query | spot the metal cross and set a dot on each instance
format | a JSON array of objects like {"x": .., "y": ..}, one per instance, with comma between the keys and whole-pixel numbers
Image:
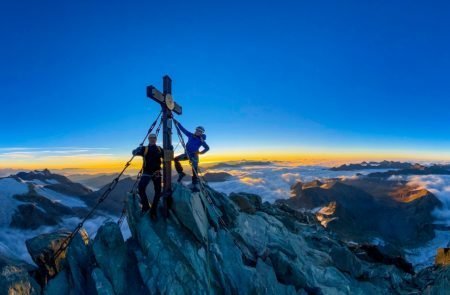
[{"x": 168, "y": 105}]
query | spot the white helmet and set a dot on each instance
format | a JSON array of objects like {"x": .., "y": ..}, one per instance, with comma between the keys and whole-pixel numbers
[{"x": 200, "y": 128}]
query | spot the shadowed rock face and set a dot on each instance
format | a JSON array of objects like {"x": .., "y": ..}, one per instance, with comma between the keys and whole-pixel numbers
[
  {"x": 365, "y": 208},
  {"x": 15, "y": 278},
  {"x": 217, "y": 176},
  {"x": 266, "y": 249},
  {"x": 115, "y": 202}
]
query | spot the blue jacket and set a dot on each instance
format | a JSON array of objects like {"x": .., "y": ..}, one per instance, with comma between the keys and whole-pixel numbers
[{"x": 194, "y": 142}]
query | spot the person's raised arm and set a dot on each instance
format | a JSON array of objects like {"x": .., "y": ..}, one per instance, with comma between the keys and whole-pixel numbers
[{"x": 184, "y": 130}]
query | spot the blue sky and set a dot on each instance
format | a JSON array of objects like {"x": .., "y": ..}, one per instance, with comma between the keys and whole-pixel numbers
[{"x": 306, "y": 76}]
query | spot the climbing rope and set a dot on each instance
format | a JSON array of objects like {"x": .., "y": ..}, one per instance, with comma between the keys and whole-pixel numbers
[{"x": 102, "y": 198}]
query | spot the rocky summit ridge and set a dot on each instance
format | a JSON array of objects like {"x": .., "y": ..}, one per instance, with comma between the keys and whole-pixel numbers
[{"x": 265, "y": 249}]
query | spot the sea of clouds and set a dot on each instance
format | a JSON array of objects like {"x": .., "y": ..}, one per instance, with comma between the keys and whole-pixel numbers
[{"x": 274, "y": 181}]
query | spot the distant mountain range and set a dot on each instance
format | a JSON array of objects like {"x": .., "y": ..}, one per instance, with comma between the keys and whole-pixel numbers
[
  {"x": 396, "y": 168},
  {"x": 375, "y": 165},
  {"x": 94, "y": 181},
  {"x": 415, "y": 170}
]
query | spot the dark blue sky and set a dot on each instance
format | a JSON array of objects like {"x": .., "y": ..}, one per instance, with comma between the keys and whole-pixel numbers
[{"x": 295, "y": 76}]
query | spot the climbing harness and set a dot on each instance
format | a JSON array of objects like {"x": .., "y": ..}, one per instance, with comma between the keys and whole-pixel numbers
[{"x": 102, "y": 198}]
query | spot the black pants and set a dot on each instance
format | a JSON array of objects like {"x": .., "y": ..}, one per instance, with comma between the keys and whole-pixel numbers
[
  {"x": 194, "y": 160},
  {"x": 145, "y": 179}
]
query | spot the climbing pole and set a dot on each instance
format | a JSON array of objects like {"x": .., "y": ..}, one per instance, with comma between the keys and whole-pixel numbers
[{"x": 102, "y": 198}]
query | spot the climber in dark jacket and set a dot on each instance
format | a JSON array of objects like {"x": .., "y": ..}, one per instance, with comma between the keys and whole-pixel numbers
[
  {"x": 151, "y": 170},
  {"x": 195, "y": 141}
]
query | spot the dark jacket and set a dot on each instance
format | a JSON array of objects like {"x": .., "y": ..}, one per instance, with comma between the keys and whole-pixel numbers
[
  {"x": 194, "y": 142},
  {"x": 152, "y": 156}
]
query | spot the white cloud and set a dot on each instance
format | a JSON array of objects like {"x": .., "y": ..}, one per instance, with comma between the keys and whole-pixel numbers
[{"x": 273, "y": 182}]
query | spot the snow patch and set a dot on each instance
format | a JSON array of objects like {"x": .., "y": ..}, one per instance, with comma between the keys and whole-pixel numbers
[
  {"x": 8, "y": 188},
  {"x": 60, "y": 198}
]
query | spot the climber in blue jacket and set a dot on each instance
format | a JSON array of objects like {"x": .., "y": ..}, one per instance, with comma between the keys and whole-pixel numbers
[{"x": 195, "y": 141}]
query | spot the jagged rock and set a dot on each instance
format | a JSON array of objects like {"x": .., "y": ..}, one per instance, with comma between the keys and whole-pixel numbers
[
  {"x": 269, "y": 249},
  {"x": 111, "y": 255},
  {"x": 29, "y": 216},
  {"x": 217, "y": 176},
  {"x": 43, "y": 247},
  {"x": 79, "y": 261},
  {"x": 365, "y": 209},
  {"x": 59, "y": 284},
  {"x": 190, "y": 211},
  {"x": 247, "y": 203},
  {"x": 434, "y": 280},
  {"x": 15, "y": 279},
  {"x": 102, "y": 285},
  {"x": 373, "y": 253},
  {"x": 443, "y": 256}
]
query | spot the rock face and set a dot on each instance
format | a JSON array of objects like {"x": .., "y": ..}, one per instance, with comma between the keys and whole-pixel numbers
[
  {"x": 365, "y": 209},
  {"x": 114, "y": 203},
  {"x": 217, "y": 176},
  {"x": 443, "y": 257},
  {"x": 262, "y": 249},
  {"x": 15, "y": 278}
]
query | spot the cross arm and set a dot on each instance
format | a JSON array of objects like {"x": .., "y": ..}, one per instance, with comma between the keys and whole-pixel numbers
[{"x": 157, "y": 96}]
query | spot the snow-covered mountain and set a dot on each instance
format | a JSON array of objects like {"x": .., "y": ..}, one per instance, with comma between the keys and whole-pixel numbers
[{"x": 39, "y": 201}]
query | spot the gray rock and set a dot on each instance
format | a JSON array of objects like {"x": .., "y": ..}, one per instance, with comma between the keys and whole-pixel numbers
[
  {"x": 60, "y": 284},
  {"x": 190, "y": 211},
  {"x": 42, "y": 249},
  {"x": 264, "y": 249},
  {"x": 15, "y": 279},
  {"x": 247, "y": 203},
  {"x": 102, "y": 284},
  {"x": 111, "y": 255},
  {"x": 29, "y": 216}
]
